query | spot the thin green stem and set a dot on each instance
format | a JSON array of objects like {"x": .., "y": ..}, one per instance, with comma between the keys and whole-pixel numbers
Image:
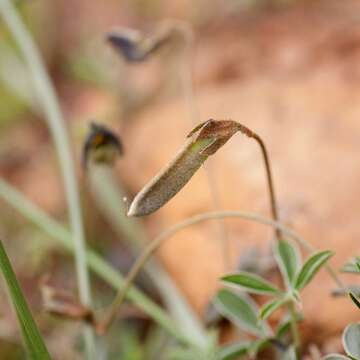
[
  {"x": 268, "y": 172},
  {"x": 278, "y": 231},
  {"x": 47, "y": 96},
  {"x": 294, "y": 328},
  {"x": 167, "y": 234}
]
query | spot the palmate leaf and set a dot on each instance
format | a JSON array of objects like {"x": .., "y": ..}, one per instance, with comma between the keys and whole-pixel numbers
[
  {"x": 288, "y": 259},
  {"x": 240, "y": 309},
  {"x": 251, "y": 283},
  {"x": 35, "y": 345},
  {"x": 311, "y": 267}
]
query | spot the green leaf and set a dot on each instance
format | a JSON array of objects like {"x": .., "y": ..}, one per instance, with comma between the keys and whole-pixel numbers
[
  {"x": 352, "y": 266},
  {"x": 288, "y": 259},
  {"x": 355, "y": 300},
  {"x": 311, "y": 267},
  {"x": 258, "y": 346},
  {"x": 283, "y": 328},
  {"x": 234, "y": 351},
  {"x": 240, "y": 309},
  {"x": 351, "y": 340},
  {"x": 285, "y": 325},
  {"x": 335, "y": 357},
  {"x": 251, "y": 283},
  {"x": 271, "y": 307},
  {"x": 349, "y": 267},
  {"x": 34, "y": 343}
]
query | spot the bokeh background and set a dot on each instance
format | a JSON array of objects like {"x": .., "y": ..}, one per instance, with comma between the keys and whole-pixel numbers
[{"x": 290, "y": 70}]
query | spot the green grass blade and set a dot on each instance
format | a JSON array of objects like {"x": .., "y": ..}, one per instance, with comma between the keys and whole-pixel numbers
[{"x": 35, "y": 345}]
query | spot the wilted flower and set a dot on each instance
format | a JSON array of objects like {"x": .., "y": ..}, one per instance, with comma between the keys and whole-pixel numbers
[{"x": 101, "y": 146}]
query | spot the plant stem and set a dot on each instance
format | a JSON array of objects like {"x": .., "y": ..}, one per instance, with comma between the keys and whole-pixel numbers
[
  {"x": 109, "y": 196},
  {"x": 47, "y": 96},
  {"x": 111, "y": 275},
  {"x": 104, "y": 270},
  {"x": 189, "y": 95},
  {"x": 269, "y": 177},
  {"x": 165, "y": 235},
  {"x": 294, "y": 328}
]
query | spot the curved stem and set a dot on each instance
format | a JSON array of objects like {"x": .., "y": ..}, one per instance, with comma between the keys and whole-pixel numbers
[
  {"x": 165, "y": 235},
  {"x": 269, "y": 177}
]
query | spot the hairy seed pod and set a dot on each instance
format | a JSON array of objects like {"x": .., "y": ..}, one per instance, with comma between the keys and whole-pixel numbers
[{"x": 170, "y": 180}]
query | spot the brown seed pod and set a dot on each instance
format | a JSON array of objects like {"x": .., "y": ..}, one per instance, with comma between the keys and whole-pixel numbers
[{"x": 169, "y": 181}]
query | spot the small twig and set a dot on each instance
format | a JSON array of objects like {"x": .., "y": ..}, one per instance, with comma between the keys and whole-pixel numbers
[{"x": 165, "y": 235}]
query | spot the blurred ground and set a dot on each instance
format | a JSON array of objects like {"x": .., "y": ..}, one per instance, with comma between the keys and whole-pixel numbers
[{"x": 291, "y": 73}]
